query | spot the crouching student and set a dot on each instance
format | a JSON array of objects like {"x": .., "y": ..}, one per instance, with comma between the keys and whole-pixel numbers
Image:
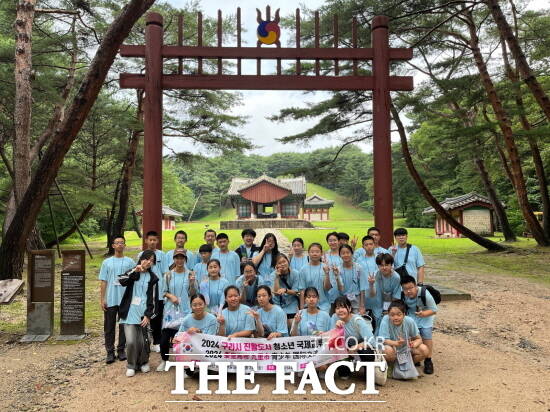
[
  {"x": 286, "y": 288},
  {"x": 198, "y": 321},
  {"x": 357, "y": 333},
  {"x": 179, "y": 284},
  {"x": 270, "y": 319},
  {"x": 137, "y": 308},
  {"x": 421, "y": 308},
  {"x": 235, "y": 319},
  {"x": 248, "y": 284},
  {"x": 399, "y": 330},
  {"x": 311, "y": 320}
]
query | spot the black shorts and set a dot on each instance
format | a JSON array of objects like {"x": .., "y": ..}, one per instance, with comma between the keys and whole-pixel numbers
[{"x": 290, "y": 315}]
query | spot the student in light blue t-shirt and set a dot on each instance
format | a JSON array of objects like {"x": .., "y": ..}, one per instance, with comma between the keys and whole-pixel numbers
[
  {"x": 317, "y": 275},
  {"x": 236, "y": 320},
  {"x": 264, "y": 257},
  {"x": 400, "y": 331},
  {"x": 357, "y": 332},
  {"x": 366, "y": 282},
  {"x": 270, "y": 319},
  {"x": 415, "y": 261},
  {"x": 212, "y": 288},
  {"x": 422, "y": 311},
  {"x": 110, "y": 296},
  {"x": 199, "y": 320},
  {"x": 160, "y": 266},
  {"x": 348, "y": 276},
  {"x": 180, "y": 238},
  {"x": 311, "y": 320},
  {"x": 205, "y": 253},
  {"x": 387, "y": 286},
  {"x": 298, "y": 258},
  {"x": 332, "y": 259},
  {"x": 229, "y": 260},
  {"x": 179, "y": 284},
  {"x": 286, "y": 287}
]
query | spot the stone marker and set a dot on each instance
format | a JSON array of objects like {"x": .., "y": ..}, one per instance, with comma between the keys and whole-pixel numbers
[
  {"x": 40, "y": 295},
  {"x": 73, "y": 279}
]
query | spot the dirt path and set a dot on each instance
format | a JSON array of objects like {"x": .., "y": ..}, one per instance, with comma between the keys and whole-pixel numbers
[{"x": 492, "y": 351}]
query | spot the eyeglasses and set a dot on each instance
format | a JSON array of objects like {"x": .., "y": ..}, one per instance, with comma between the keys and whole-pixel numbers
[{"x": 119, "y": 243}]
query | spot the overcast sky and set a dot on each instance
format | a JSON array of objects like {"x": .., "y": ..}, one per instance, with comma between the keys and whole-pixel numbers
[{"x": 258, "y": 105}]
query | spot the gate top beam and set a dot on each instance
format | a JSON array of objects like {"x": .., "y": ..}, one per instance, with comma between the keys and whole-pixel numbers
[{"x": 172, "y": 52}]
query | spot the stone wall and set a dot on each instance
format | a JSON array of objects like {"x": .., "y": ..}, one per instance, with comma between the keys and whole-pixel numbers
[{"x": 265, "y": 223}]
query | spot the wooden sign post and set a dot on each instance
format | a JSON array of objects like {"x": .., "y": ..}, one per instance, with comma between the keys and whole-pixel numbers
[
  {"x": 40, "y": 295},
  {"x": 73, "y": 296}
]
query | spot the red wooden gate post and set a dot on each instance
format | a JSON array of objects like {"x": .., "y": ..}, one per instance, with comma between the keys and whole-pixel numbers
[
  {"x": 383, "y": 199},
  {"x": 152, "y": 125}
]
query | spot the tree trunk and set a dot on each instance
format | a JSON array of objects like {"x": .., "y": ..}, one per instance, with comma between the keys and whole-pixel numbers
[
  {"x": 23, "y": 98},
  {"x": 110, "y": 231},
  {"x": 508, "y": 135},
  {"x": 194, "y": 206},
  {"x": 73, "y": 228},
  {"x": 480, "y": 240},
  {"x": 135, "y": 222},
  {"x": 127, "y": 175},
  {"x": 513, "y": 75},
  {"x": 507, "y": 231},
  {"x": 521, "y": 60},
  {"x": 13, "y": 243}
]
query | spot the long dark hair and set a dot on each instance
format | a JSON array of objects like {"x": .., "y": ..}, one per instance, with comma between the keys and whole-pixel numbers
[
  {"x": 268, "y": 290},
  {"x": 274, "y": 251}
]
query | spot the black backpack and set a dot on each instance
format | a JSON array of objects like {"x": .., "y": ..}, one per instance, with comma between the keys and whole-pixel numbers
[{"x": 436, "y": 294}]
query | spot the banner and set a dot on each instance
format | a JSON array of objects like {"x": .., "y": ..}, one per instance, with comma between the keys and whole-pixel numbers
[{"x": 322, "y": 349}]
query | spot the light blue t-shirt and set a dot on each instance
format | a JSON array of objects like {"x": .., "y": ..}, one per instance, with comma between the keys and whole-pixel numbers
[
  {"x": 160, "y": 266},
  {"x": 230, "y": 265},
  {"x": 267, "y": 279},
  {"x": 368, "y": 263},
  {"x": 213, "y": 290},
  {"x": 414, "y": 303},
  {"x": 406, "y": 330},
  {"x": 265, "y": 265},
  {"x": 297, "y": 263},
  {"x": 238, "y": 320},
  {"x": 356, "y": 326},
  {"x": 138, "y": 303},
  {"x": 333, "y": 260},
  {"x": 414, "y": 261},
  {"x": 351, "y": 278},
  {"x": 275, "y": 319},
  {"x": 387, "y": 288},
  {"x": 189, "y": 263},
  {"x": 178, "y": 286},
  {"x": 360, "y": 253},
  {"x": 111, "y": 269},
  {"x": 289, "y": 303},
  {"x": 310, "y": 324},
  {"x": 201, "y": 273},
  {"x": 314, "y": 276},
  {"x": 208, "y": 324}
]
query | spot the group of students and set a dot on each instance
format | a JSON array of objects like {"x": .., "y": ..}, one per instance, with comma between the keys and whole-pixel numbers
[{"x": 257, "y": 291}]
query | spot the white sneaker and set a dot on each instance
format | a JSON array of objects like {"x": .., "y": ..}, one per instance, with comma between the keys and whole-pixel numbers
[
  {"x": 145, "y": 368},
  {"x": 155, "y": 348},
  {"x": 130, "y": 372},
  {"x": 161, "y": 367}
]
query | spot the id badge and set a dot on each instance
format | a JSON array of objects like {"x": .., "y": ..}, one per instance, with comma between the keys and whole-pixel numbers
[
  {"x": 385, "y": 306},
  {"x": 136, "y": 300},
  {"x": 116, "y": 282},
  {"x": 402, "y": 358},
  {"x": 352, "y": 297}
]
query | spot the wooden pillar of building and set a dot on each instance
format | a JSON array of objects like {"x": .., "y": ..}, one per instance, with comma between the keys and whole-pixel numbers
[
  {"x": 279, "y": 211},
  {"x": 152, "y": 125},
  {"x": 383, "y": 199},
  {"x": 252, "y": 214}
]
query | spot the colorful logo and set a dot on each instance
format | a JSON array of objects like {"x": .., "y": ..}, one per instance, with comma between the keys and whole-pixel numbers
[{"x": 268, "y": 31}]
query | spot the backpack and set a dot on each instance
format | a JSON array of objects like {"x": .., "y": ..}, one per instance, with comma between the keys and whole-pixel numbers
[{"x": 436, "y": 294}]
